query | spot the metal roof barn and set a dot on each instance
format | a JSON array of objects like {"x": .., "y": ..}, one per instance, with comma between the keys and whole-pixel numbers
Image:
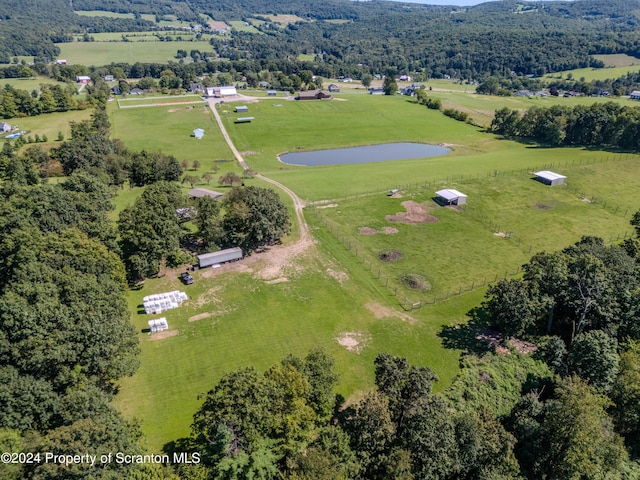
[
  {"x": 450, "y": 196},
  {"x": 242, "y": 108},
  {"x": 216, "y": 258},
  {"x": 549, "y": 178}
]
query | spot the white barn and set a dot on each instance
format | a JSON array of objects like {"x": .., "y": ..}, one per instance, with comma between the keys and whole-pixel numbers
[
  {"x": 220, "y": 92},
  {"x": 549, "y": 178},
  {"x": 450, "y": 196}
]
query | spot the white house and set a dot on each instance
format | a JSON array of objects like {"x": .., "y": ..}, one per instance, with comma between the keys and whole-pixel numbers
[
  {"x": 635, "y": 95},
  {"x": 5, "y": 127}
]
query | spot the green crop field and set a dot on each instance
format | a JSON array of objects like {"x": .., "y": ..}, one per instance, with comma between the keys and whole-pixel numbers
[
  {"x": 239, "y": 316},
  {"x": 103, "y": 53}
]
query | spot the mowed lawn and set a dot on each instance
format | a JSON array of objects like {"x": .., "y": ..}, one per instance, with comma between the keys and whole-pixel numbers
[
  {"x": 248, "y": 321},
  {"x": 242, "y": 319},
  {"x": 104, "y": 53}
]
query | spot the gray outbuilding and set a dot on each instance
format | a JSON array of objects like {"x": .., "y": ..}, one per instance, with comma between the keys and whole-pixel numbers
[{"x": 222, "y": 256}]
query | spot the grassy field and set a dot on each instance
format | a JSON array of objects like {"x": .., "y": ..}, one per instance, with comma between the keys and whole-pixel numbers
[
  {"x": 590, "y": 74},
  {"x": 50, "y": 124},
  {"x": 246, "y": 318},
  {"x": 103, "y": 53},
  {"x": 29, "y": 84},
  {"x": 618, "y": 60},
  {"x": 102, "y": 13}
]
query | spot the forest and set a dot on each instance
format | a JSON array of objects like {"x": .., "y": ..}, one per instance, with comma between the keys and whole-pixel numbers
[{"x": 495, "y": 38}]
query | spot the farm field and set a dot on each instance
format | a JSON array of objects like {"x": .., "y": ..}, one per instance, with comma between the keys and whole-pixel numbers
[
  {"x": 104, "y": 53},
  {"x": 29, "y": 84},
  {"x": 595, "y": 73},
  {"x": 259, "y": 310},
  {"x": 50, "y": 124}
]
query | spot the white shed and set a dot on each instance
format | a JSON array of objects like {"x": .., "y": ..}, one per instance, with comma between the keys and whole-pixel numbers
[
  {"x": 549, "y": 178},
  {"x": 198, "y": 133},
  {"x": 450, "y": 196}
]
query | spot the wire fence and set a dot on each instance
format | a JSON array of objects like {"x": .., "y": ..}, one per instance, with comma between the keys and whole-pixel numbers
[{"x": 392, "y": 284}]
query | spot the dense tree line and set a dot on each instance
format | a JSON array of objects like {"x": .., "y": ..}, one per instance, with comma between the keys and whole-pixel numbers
[
  {"x": 387, "y": 37},
  {"x": 599, "y": 124}
]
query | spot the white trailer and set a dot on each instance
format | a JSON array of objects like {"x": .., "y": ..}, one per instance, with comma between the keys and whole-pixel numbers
[{"x": 223, "y": 256}]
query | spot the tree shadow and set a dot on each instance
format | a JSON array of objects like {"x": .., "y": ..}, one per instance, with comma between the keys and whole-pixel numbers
[{"x": 466, "y": 337}]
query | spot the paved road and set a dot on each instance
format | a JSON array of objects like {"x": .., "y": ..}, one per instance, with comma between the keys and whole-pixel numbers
[{"x": 298, "y": 203}]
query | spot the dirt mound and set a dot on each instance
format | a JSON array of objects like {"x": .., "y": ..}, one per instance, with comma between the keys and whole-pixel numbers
[
  {"x": 415, "y": 214},
  {"x": 415, "y": 281},
  {"x": 390, "y": 255},
  {"x": 367, "y": 231}
]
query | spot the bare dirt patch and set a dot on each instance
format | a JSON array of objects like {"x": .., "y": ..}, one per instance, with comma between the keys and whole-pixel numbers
[
  {"x": 390, "y": 255},
  {"x": 331, "y": 205},
  {"x": 353, "y": 341},
  {"x": 208, "y": 297},
  {"x": 277, "y": 280},
  {"x": 390, "y": 230},
  {"x": 163, "y": 335},
  {"x": 339, "y": 275},
  {"x": 200, "y": 316},
  {"x": 543, "y": 206},
  {"x": 367, "y": 231},
  {"x": 500, "y": 234},
  {"x": 380, "y": 312},
  {"x": 495, "y": 341},
  {"x": 415, "y": 214}
]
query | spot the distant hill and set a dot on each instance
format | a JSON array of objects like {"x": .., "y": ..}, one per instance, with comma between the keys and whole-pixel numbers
[{"x": 494, "y": 38}]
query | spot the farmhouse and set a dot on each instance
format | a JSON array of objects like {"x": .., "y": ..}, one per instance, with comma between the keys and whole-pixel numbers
[
  {"x": 450, "y": 196},
  {"x": 108, "y": 78},
  {"x": 158, "y": 325},
  {"x": 5, "y": 127},
  {"x": 549, "y": 178},
  {"x": 241, "y": 108},
  {"x": 314, "y": 95},
  {"x": 635, "y": 95},
  {"x": 333, "y": 88},
  {"x": 196, "y": 87},
  {"x": 204, "y": 192},
  {"x": 223, "y": 256},
  {"x": 221, "y": 92},
  {"x": 83, "y": 79}
]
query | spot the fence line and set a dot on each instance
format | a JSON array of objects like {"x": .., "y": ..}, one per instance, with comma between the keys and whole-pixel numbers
[{"x": 391, "y": 284}]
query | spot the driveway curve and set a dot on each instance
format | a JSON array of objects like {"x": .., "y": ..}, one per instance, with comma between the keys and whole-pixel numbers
[{"x": 298, "y": 203}]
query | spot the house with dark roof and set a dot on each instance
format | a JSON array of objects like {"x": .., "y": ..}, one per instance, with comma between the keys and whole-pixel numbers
[
  {"x": 333, "y": 88},
  {"x": 196, "y": 87}
]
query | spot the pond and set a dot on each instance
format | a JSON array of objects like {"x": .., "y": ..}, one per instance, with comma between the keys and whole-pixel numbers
[{"x": 367, "y": 154}]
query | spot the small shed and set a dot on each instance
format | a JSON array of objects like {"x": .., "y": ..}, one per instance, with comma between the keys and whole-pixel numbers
[
  {"x": 550, "y": 178},
  {"x": 272, "y": 93},
  {"x": 222, "y": 256},
  {"x": 158, "y": 325},
  {"x": 450, "y": 196},
  {"x": 241, "y": 108},
  {"x": 243, "y": 119},
  {"x": 198, "y": 133}
]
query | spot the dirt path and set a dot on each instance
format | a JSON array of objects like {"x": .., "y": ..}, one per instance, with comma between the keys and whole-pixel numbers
[{"x": 305, "y": 239}]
